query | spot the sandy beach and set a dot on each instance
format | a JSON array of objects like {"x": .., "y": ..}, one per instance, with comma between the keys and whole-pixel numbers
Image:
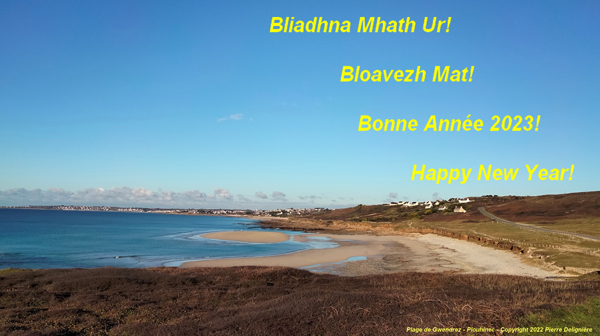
[
  {"x": 249, "y": 236},
  {"x": 384, "y": 254}
]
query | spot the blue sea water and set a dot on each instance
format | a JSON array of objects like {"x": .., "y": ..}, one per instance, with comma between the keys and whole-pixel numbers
[{"x": 84, "y": 239}]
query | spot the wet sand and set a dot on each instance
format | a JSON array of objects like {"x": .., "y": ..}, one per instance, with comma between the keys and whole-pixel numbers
[
  {"x": 389, "y": 254},
  {"x": 249, "y": 236}
]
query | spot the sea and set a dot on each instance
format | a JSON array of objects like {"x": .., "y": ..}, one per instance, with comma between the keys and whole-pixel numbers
[{"x": 37, "y": 239}]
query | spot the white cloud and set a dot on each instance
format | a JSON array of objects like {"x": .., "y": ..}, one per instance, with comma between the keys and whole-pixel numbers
[
  {"x": 223, "y": 194},
  {"x": 123, "y": 196},
  {"x": 193, "y": 196},
  {"x": 236, "y": 117},
  {"x": 311, "y": 197},
  {"x": 241, "y": 197},
  {"x": 142, "y": 197},
  {"x": 141, "y": 192},
  {"x": 278, "y": 196}
]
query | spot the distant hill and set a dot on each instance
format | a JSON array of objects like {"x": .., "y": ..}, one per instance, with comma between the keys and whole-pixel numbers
[
  {"x": 575, "y": 205},
  {"x": 546, "y": 207}
]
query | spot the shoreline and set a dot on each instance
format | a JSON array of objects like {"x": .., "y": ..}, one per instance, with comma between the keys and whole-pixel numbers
[{"x": 389, "y": 254}]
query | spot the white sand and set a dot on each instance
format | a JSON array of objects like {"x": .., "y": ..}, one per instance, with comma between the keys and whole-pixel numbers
[
  {"x": 421, "y": 253},
  {"x": 479, "y": 259}
]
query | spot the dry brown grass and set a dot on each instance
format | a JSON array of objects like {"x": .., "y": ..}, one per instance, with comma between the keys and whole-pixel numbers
[{"x": 266, "y": 301}]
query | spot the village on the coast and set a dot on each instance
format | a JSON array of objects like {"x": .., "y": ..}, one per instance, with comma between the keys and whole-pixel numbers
[
  {"x": 438, "y": 205},
  {"x": 441, "y": 205}
]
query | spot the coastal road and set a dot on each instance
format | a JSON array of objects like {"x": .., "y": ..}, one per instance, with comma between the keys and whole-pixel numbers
[{"x": 526, "y": 226}]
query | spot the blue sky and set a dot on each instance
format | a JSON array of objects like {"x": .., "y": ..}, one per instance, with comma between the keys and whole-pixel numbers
[{"x": 198, "y": 100}]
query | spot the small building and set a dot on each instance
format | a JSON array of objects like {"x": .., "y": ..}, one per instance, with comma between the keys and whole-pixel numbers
[
  {"x": 466, "y": 200},
  {"x": 443, "y": 207},
  {"x": 459, "y": 209}
]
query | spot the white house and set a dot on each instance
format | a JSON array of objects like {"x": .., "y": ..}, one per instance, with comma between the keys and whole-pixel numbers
[
  {"x": 459, "y": 209},
  {"x": 467, "y": 200}
]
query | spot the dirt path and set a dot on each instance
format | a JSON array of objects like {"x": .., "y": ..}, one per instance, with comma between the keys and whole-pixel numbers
[{"x": 531, "y": 227}]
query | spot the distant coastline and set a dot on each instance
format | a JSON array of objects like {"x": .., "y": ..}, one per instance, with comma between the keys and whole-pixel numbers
[{"x": 177, "y": 211}]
